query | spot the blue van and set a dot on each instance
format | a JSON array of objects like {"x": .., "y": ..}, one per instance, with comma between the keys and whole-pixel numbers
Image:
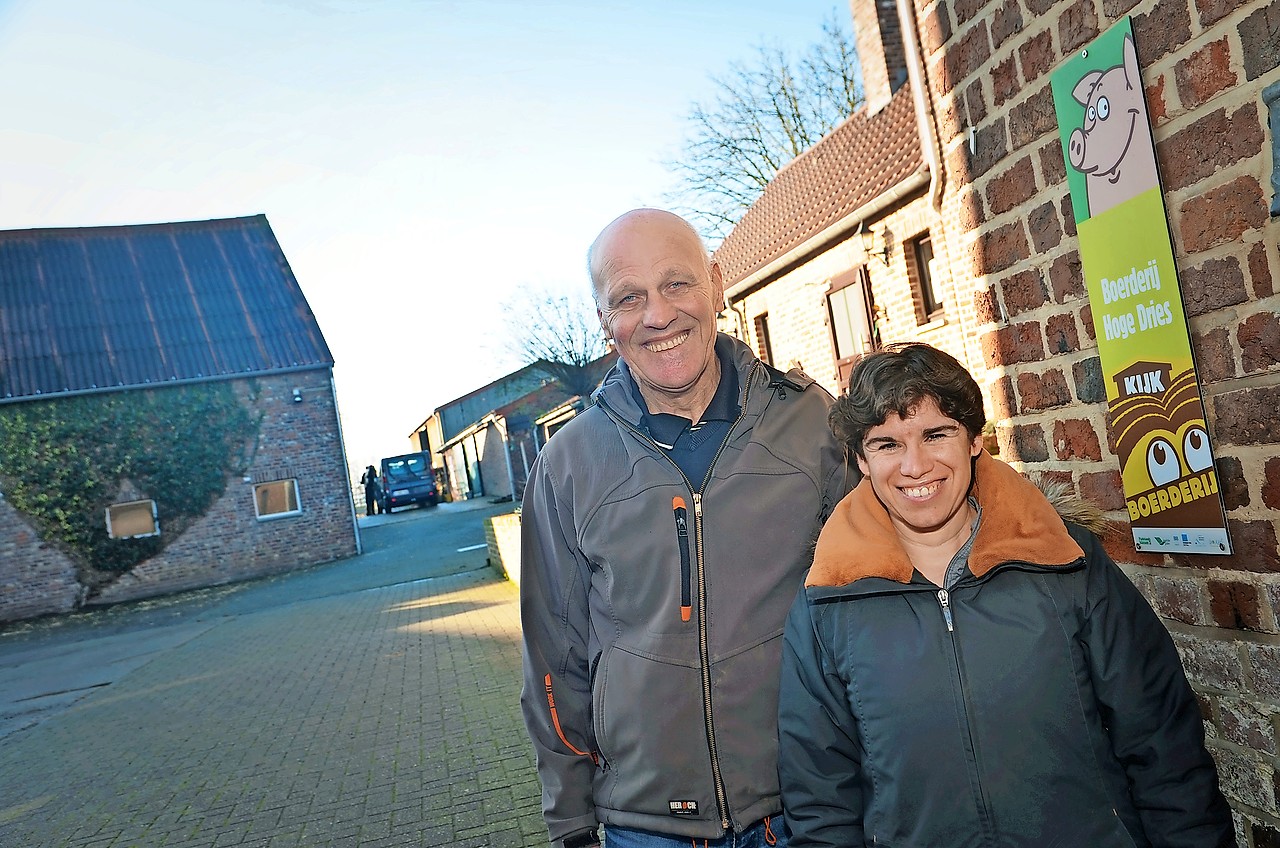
[{"x": 407, "y": 479}]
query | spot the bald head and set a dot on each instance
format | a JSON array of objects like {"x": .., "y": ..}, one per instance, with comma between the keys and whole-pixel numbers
[{"x": 636, "y": 221}]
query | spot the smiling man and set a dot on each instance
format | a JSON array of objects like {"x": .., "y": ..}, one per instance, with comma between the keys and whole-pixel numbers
[
  {"x": 964, "y": 667},
  {"x": 665, "y": 531}
]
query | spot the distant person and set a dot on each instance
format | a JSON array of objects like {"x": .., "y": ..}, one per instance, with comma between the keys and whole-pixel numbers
[
  {"x": 963, "y": 666},
  {"x": 665, "y": 531},
  {"x": 372, "y": 491}
]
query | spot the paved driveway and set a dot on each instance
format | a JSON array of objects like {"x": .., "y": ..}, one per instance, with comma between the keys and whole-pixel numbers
[{"x": 372, "y": 702}]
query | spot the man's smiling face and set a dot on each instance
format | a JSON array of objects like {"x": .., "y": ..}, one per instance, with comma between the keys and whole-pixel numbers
[{"x": 657, "y": 300}]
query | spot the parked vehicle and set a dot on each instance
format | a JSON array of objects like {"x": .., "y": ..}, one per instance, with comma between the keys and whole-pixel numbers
[{"x": 407, "y": 479}]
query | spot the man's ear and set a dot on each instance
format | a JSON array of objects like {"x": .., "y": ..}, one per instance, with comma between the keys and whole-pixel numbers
[{"x": 717, "y": 283}]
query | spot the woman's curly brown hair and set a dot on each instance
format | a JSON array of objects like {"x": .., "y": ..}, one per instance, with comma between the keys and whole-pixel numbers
[{"x": 895, "y": 380}]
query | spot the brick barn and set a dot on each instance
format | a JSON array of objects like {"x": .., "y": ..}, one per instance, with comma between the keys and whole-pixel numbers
[
  {"x": 975, "y": 164},
  {"x": 167, "y": 415}
]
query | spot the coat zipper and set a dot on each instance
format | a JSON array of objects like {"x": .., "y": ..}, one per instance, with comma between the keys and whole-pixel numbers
[
  {"x": 945, "y": 600},
  {"x": 704, "y": 651}
]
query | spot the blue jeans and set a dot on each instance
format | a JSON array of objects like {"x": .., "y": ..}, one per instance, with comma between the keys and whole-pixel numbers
[{"x": 769, "y": 833}]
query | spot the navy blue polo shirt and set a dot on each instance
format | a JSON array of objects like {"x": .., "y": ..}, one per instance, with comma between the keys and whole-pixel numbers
[{"x": 692, "y": 446}]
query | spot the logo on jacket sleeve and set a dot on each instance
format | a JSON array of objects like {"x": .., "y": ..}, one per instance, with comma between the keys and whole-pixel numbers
[{"x": 683, "y": 808}]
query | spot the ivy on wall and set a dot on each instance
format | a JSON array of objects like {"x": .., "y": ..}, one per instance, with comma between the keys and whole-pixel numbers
[{"x": 64, "y": 461}]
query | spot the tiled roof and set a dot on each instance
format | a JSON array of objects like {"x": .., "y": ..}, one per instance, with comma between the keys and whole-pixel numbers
[
  {"x": 852, "y": 165},
  {"x": 95, "y": 308}
]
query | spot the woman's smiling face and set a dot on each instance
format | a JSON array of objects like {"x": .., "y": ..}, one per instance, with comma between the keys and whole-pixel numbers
[{"x": 920, "y": 468}]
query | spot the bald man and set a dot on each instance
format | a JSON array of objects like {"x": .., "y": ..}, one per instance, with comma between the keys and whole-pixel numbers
[{"x": 665, "y": 532}]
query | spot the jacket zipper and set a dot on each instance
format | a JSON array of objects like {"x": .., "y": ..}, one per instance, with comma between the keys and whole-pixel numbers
[
  {"x": 945, "y": 600},
  {"x": 704, "y": 651},
  {"x": 682, "y": 537}
]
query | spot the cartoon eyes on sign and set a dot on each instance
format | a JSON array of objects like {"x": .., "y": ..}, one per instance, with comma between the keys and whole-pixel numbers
[
  {"x": 1113, "y": 146},
  {"x": 1163, "y": 459}
]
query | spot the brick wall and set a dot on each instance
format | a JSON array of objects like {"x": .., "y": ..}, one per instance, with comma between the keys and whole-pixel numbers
[
  {"x": 298, "y": 440},
  {"x": 1205, "y": 64}
]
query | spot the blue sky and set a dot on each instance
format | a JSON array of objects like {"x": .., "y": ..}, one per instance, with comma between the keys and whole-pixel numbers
[{"x": 418, "y": 161}]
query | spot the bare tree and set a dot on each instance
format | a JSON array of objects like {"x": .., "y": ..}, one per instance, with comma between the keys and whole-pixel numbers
[
  {"x": 558, "y": 333},
  {"x": 766, "y": 112}
]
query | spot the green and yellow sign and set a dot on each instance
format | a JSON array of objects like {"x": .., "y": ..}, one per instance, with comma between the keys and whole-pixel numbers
[{"x": 1153, "y": 393}]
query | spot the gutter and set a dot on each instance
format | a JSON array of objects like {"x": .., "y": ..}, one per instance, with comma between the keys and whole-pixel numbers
[
  {"x": 836, "y": 232},
  {"x": 923, "y": 107}
]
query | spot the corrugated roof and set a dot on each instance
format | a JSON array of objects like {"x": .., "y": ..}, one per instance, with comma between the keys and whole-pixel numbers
[
  {"x": 856, "y": 162},
  {"x": 93, "y": 308}
]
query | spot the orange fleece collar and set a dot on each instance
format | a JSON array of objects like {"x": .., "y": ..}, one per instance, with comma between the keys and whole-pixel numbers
[{"x": 1018, "y": 523}]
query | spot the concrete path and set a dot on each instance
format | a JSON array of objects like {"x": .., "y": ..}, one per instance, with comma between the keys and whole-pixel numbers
[{"x": 372, "y": 702}]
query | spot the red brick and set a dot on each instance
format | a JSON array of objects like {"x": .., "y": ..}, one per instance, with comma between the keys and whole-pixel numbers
[
  {"x": 975, "y": 102},
  {"x": 1007, "y": 22},
  {"x": 935, "y": 28},
  {"x": 1215, "y": 360},
  {"x": 965, "y": 56},
  {"x": 1005, "y": 84},
  {"x": 1228, "y": 138},
  {"x": 1161, "y": 31},
  {"x": 1026, "y": 443},
  {"x": 1003, "y": 403},
  {"x": 1157, "y": 108},
  {"x": 967, "y": 10},
  {"x": 1232, "y": 482},
  {"x": 1036, "y": 55},
  {"x": 1045, "y": 227},
  {"x": 1248, "y": 416},
  {"x": 1033, "y": 118},
  {"x": 1077, "y": 25},
  {"x": 1086, "y": 321},
  {"x": 1260, "y": 272},
  {"x": 1216, "y": 284},
  {"x": 1013, "y": 344},
  {"x": 1235, "y": 605},
  {"x": 1114, "y": 9},
  {"x": 997, "y": 249},
  {"x": 1271, "y": 482},
  {"x": 1052, "y": 165},
  {"x": 1177, "y": 599},
  {"x": 1264, "y": 670},
  {"x": 1104, "y": 488},
  {"x": 1087, "y": 376},
  {"x": 1254, "y": 547},
  {"x": 1204, "y": 73},
  {"x": 1066, "y": 278},
  {"x": 1260, "y": 40},
  {"x": 1212, "y": 11},
  {"x": 1043, "y": 391},
  {"x": 986, "y": 306},
  {"x": 1023, "y": 292},
  {"x": 1259, "y": 338},
  {"x": 1222, "y": 214},
  {"x": 1068, "y": 216},
  {"x": 1245, "y": 724},
  {"x": 1060, "y": 333},
  {"x": 1075, "y": 438},
  {"x": 970, "y": 210}
]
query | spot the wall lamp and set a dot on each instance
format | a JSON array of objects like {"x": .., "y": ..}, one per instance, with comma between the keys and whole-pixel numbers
[
  {"x": 297, "y": 395},
  {"x": 869, "y": 245}
]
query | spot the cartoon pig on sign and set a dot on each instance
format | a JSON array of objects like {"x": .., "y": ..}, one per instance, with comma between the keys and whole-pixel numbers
[{"x": 1113, "y": 147}]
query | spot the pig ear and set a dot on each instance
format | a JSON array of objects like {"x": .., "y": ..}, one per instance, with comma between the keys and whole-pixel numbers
[
  {"x": 1131, "y": 63},
  {"x": 1084, "y": 89}
]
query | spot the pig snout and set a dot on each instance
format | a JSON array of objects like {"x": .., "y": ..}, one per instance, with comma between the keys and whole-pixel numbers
[{"x": 1075, "y": 149}]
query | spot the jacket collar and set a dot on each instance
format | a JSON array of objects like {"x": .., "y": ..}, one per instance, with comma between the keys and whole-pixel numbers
[
  {"x": 1018, "y": 524},
  {"x": 618, "y": 389}
]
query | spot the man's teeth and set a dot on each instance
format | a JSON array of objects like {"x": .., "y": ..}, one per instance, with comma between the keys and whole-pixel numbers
[
  {"x": 921, "y": 491},
  {"x": 659, "y": 347}
]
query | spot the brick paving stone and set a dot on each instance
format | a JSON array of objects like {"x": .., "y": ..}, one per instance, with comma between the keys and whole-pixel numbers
[{"x": 380, "y": 717}]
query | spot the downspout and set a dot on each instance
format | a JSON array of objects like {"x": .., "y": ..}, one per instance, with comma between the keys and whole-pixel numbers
[
  {"x": 506, "y": 454},
  {"x": 925, "y": 123}
]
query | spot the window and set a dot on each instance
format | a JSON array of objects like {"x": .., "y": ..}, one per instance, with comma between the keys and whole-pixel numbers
[
  {"x": 276, "y": 499},
  {"x": 850, "y": 309},
  {"x": 920, "y": 268},
  {"x": 132, "y": 520},
  {"x": 763, "y": 347}
]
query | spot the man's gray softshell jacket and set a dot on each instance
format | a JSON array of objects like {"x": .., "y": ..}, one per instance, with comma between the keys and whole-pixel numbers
[{"x": 653, "y": 615}]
